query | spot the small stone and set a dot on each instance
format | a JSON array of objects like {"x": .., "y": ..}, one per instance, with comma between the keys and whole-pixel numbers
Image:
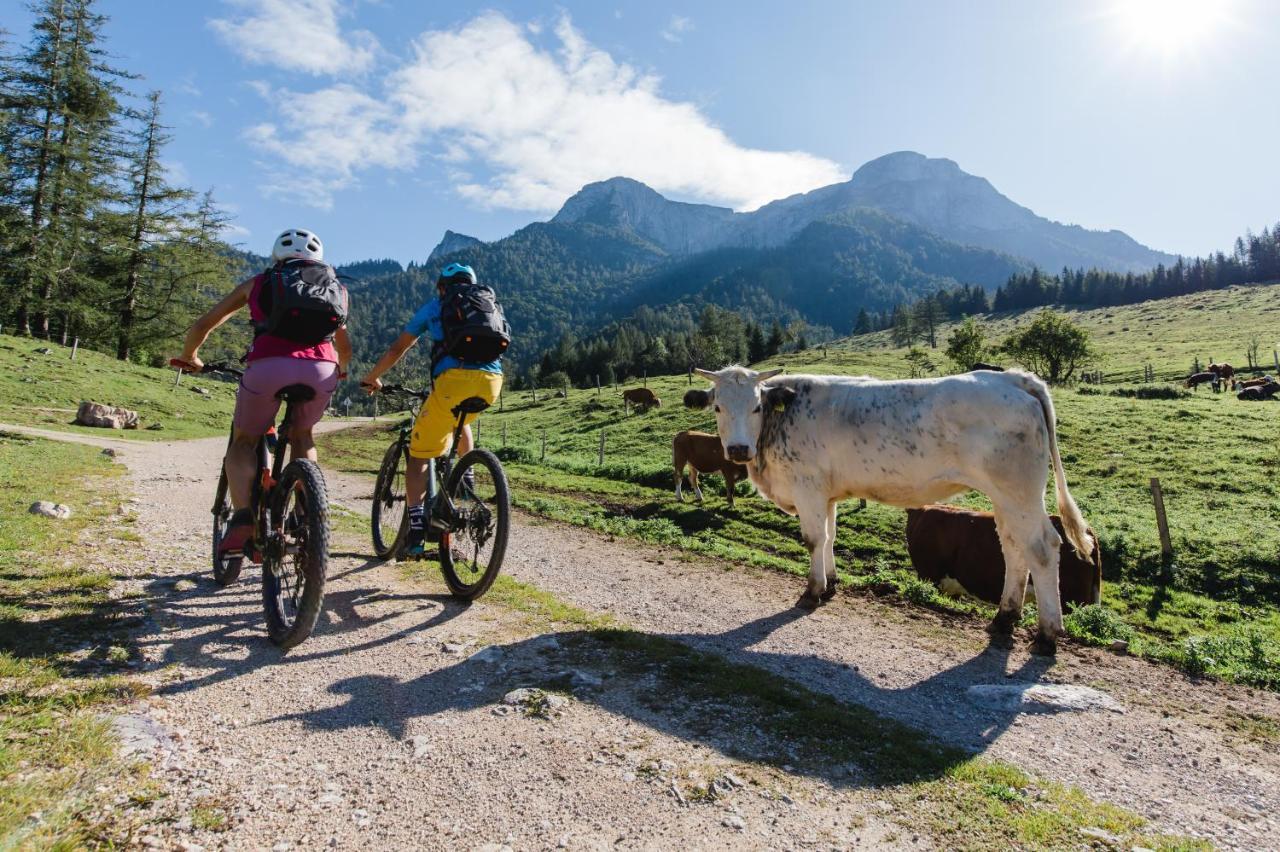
[
  {"x": 184, "y": 585},
  {"x": 735, "y": 822},
  {"x": 155, "y": 427},
  {"x": 421, "y": 746},
  {"x": 330, "y": 799},
  {"x": 282, "y": 846},
  {"x": 109, "y": 453},
  {"x": 734, "y": 780},
  {"x": 1101, "y": 835},
  {"x": 492, "y": 654},
  {"x": 151, "y": 841},
  {"x": 50, "y": 510},
  {"x": 628, "y": 776},
  {"x": 1120, "y": 646},
  {"x": 453, "y": 647}
]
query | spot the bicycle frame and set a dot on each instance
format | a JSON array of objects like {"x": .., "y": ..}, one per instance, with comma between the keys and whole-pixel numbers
[{"x": 270, "y": 466}]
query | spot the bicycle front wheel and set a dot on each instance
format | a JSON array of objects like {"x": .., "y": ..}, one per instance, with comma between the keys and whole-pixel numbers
[
  {"x": 225, "y": 568},
  {"x": 471, "y": 552},
  {"x": 388, "y": 517},
  {"x": 294, "y": 565}
]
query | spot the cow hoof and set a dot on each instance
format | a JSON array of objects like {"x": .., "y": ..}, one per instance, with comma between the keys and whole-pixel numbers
[
  {"x": 830, "y": 592},
  {"x": 1003, "y": 624},
  {"x": 1043, "y": 646},
  {"x": 808, "y": 602}
]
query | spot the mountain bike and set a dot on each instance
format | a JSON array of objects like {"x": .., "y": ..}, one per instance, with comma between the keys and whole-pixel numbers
[
  {"x": 468, "y": 505},
  {"x": 290, "y": 507}
]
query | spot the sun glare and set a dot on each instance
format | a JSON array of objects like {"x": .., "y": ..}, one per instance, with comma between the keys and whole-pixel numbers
[{"x": 1170, "y": 28}]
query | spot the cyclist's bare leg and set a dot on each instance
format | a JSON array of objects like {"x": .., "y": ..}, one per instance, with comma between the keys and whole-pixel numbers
[
  {"x": 241, "y": 465},
  {"x": 465, "y": 443},
  {"x": 415, "y": 481},
  {"x": 302, "y": 444}
]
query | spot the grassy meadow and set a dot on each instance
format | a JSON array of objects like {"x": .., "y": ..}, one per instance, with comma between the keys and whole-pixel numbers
[
  {"x": 44, "y": 390},
  {"x": 62, "y": 646},
  {"x": 1215, "y": 609}
]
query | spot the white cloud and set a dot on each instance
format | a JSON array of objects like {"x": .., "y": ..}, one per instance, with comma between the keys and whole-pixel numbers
[
  {"x": 676, "y": 28},
  {"x": 531, "y": 125},
  {"x": 201, "y": 117},
  {"x": 297, "y": 35}
]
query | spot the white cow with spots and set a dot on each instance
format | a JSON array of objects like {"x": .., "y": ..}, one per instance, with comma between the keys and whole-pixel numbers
[{"x": 811, "y": 441}]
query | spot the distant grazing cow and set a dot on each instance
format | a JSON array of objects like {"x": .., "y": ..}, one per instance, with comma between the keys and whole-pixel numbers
[
  {"x": 961, "y": 546},
  {"x": 1224, "y": 372},
  {"x": 981, "y": 366},
  {"x": 1257, "y": 393},
  {"x": 1197, "y": 379},
  {"x": 641, "y": 397},
  {"x": 703, "y": 453},
  {"x": 811, "y": 441}
]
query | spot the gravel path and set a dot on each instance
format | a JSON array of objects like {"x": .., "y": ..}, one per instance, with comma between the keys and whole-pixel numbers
[{"x": 387, "y": 727}]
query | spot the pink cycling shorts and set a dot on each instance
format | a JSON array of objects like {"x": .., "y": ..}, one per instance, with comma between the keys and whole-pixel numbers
[{"x": 256, "y": 403}]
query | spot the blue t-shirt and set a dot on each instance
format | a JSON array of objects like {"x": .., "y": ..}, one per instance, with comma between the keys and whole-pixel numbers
[{"x": 427, "y": 321}]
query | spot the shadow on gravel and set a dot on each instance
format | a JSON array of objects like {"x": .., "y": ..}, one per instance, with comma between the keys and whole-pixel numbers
[
  {"x": 222, "y": 632},
  {"x": 810, "y": 715}
]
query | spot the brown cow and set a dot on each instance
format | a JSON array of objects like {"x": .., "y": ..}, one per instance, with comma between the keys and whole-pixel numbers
[
  {"x": 1252, "y": 383},
  {"x": 703, "y": 453},
  {"x": 641, "y": 397},
  {"x": 1197, "y": 379},
  {"x": 1225, "y": 372},
  {"x": 1258, "y": 393},
  {"x": 948, "y": 543}
]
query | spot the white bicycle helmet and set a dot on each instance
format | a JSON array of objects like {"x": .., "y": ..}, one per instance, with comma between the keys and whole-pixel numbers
[{"x": 296, "y": 242}]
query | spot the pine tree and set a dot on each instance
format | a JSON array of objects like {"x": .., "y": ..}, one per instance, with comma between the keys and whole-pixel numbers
[
  {"x": 757, "y": 347},
  {"x": 863, "y": 324},
  {"x": 928, "y": 315},
  {"x": 774, "y": 344}
]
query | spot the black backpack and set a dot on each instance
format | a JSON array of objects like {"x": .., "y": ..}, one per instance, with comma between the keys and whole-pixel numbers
[
  {"x": 303, "y": 301},
  {"x": 475, "y": 331}
]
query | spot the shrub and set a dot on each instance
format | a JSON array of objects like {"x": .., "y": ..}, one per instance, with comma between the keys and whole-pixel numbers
[{"x": 1096, "y": 625}]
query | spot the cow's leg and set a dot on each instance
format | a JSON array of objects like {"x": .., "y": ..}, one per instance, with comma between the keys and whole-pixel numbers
[
  {"x": 829, "y": 552},
  {"x": 693, "y": 482},
  {"x": 680, "y": 485},
  {"x": 1015, "y": 528},
  {"x": 1046, "y": 552},
  {"x": 813, "y": 528},
  {"x": 729, "y": 483}
]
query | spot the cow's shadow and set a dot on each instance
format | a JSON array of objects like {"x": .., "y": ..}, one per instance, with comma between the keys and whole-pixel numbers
[{"x": 705, "y": 681}]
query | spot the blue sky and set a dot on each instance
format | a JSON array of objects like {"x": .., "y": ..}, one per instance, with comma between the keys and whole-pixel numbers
[{"x": 380, "y": 123}]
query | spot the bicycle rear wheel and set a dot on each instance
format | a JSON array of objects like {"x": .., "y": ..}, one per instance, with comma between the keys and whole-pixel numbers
[
  {"x": 471, "y": 552},
  {"x": 388, "y": 517},
  {"x": 297, "y": 553},
  {"x": 226, "y": 569}
]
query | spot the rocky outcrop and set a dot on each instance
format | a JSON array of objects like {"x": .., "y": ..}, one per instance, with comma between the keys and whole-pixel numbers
[
  {"x": 451, "y": 242},
  {"x": 673, "y": 226},
  {"x": 106, "y": 416}
]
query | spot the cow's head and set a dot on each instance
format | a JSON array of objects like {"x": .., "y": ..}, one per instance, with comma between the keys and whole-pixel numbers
[{"x": 740, "y": 399}]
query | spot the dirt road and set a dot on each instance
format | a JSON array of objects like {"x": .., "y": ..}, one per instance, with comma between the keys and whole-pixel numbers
[{"x": 389, "y": 728}]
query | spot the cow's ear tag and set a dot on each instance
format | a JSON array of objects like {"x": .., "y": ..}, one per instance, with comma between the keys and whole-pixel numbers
[{"x": 779, "y": 406}]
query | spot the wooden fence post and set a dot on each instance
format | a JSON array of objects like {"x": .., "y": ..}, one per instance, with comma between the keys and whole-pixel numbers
[
  {"x": 1162, "y": 522},
  {"x": 75, "y": 347},
  {"x": 476, "y": 437},
  {"x": 535, "y": 391},
  {"x": 600, "y": 462},
  {"x": 597, "y": 384},
  {"x": 543, "y": 457},
  {"x": 646, "y": 378},
  {"x": 1276, "y": 355},
  {"x": 504, "y": 434},
  {"x": 178, "y": 377}
]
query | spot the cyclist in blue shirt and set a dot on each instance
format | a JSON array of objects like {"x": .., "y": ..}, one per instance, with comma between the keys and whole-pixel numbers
[{"x": 453, "y": 380}]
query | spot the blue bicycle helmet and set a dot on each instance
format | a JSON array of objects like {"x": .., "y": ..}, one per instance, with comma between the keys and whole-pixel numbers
[{"x": 455, "y": 273}]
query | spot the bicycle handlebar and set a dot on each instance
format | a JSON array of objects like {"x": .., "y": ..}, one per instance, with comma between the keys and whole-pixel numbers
[{"x": 219, "y": 367}]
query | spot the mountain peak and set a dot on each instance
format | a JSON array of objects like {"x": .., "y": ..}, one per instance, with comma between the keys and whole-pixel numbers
[
  {"x": 451, "y": 241},
  {"x": 907, "y": 166},
  {"x": 627, "y": 204}
]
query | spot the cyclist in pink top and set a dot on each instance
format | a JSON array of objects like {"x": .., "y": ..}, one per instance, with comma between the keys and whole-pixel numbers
[{"x": 273, "y": 362}]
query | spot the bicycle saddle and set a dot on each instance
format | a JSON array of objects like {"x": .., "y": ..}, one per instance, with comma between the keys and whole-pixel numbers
[
  {"x": 296, "y": 393},
  {"x": 470, "y": 405}
]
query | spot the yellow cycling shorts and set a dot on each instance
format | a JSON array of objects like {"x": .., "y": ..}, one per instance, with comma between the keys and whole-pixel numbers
[{"x": 436, "y": 421}]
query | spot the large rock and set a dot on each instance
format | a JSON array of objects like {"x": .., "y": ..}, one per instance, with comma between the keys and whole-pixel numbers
[
  {"x": 106, "y": 416},
  {"x": 50, "y": 510}
]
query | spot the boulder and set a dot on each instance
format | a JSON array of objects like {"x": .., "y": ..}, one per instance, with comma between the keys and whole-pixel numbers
[
  {"x": 50, "y": 510},
  {"x": 106, "y": 416}
]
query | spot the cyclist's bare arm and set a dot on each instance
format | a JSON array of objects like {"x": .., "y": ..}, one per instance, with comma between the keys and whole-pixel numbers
[
  {"x": 394, "y": 353},
  {"x": 214, "y": 317},
  {"x": 342, "y": 342}
]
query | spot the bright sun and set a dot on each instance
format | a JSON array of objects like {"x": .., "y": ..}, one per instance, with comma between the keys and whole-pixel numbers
[{"x": 1170, "y": 28}]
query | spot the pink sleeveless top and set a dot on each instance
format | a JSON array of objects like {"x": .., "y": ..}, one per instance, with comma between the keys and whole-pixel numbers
[{"x": 270, "y": 346}]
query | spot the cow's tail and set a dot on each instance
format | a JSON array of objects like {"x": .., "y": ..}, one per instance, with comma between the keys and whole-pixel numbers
[{"x": 1073, "y": 521}]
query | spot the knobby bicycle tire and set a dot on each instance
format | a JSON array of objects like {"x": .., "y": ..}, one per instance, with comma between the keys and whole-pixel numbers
[
  {"x": 470, "y": 588},
  {"x": 226, "y": 569},
  {"x": 309, "y": 529},
  {"x": 384, "y": 502}
]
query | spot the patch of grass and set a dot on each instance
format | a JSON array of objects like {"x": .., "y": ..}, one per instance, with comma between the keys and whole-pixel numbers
[
  {"x": 1097, "y": 625},
  {"x": 55, "y": 750},
  {"x": 45, "y": 391},
  {"x": 210, "y": 817}
]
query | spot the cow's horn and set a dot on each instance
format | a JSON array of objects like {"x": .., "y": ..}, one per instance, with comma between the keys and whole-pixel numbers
[
  {"x": 711, "y": 375},
  {"x": 768, "y": 374}
]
